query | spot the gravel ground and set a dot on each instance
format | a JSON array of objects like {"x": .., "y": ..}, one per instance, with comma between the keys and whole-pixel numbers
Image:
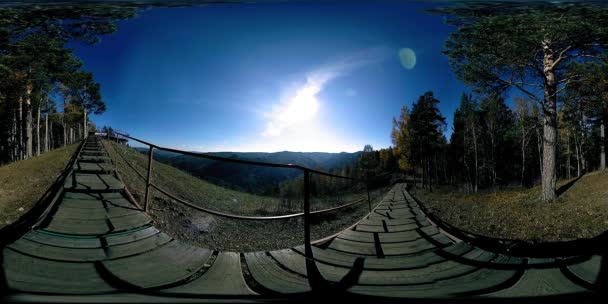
[{"x": 220, "y": 233}]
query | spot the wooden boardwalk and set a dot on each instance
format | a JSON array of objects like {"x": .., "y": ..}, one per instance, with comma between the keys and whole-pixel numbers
[{"x": 98, "y": 246}]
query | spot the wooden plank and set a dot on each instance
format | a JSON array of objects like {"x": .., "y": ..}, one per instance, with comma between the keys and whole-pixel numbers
[
  {"x": 92, "y": 196},
  {"x": 330, "y": 256},
  {"x": 540, "y": 282},
  {"x": 296, "y": 262},
  {"x": 412, "y": 247},
  {"x": 369, "y": 228},
  {"x": 399, "y": 237},
  {"x": 78, "y": 227},
  {"x": 80, "y": 213},
  {"x": 55, "y": 240},
  {"x": 353, "y": 247},
  {"x": 359, "y": 236},
  {"x": 589, "y": 270},
  {"x": 94, "y": 159},
  {"x": 137, "y": 247},
  {"x": 44, "y": 251},
  {"x": 130, "y": 221},
  {"x": 223, "y": 278},
  {"x": 414, "y": 261},
  {"x": 474, "y": 282},
  {"x": 168, "y": 264},
  {"x": 123, "y": 238},
  {"x": 425, "y": 275},
  {"x": 93, "y": 182},
  {"x": 399, "y": 228},
  {"x": 93, "y": 167},
  {"x": 29, "y": 274},
  {"x": 81, "y": 203},
  {"x": 269, "y": 274}
]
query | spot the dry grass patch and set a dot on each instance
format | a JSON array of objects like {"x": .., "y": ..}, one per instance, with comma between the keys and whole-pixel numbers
[
  {"x": 579, "y": 212},
  {"x": 23, "y": 183}
]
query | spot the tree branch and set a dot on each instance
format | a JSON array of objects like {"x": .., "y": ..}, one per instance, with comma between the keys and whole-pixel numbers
[
  {"x": 561, "y": 56},
  {"x": 521, "y": 88}
]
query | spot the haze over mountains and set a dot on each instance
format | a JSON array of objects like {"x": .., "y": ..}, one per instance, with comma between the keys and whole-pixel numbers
[{"x": 254, "y": 178}]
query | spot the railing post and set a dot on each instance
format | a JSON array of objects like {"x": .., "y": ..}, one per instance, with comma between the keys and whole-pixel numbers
[
  {"x": 369, "y": 201},
  {"x": 308, "y": 248},
  {"x": 146, "y": 197},
  {"x": 313, "y": 274}
]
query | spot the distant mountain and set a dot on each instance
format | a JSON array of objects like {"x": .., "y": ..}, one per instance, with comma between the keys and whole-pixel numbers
[{"x": 253, "y": 178}]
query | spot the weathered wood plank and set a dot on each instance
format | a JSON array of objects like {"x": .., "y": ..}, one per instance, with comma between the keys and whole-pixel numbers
[
  {"x": 269, "y": 274},
  {"x": 353, "y": 247},
  {"x": 56, "y": 240},
  {"x": 540, "y": 282},
  {"x": 44, "y": 251},
  {"x": 588, "y": 270},
  {"x": 296, "y": 262},
  {"x": 78, "y": 227},
  {"x": 123, "y": 238},
  {"x": 93, "y": 182},
  {"x": 137, "y": 247},
  {"x": 29, "y": 274},
  {"x": 130, "y": 221},
  {"x": 223, "y": 278},
  {"x": 168, "y": 264},
  {"x": 359, "y": 236}
]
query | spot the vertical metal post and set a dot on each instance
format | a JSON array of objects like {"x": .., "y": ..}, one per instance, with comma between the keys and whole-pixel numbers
[
  {"x": 369, "y": 201},
  {"x": 307, "y": 246},
  {"x": 314, "y": 276},
  {"x": 146, "y": 198}
]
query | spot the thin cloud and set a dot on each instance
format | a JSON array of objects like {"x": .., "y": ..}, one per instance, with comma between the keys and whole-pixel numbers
[{"x": 302, "y": 104}]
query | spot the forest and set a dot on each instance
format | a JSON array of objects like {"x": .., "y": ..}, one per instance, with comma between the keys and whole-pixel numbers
[
  {"x": 550, "y": 61},
  {"x": 45, "y": 95},
  {"x": 536, "y": 109}
]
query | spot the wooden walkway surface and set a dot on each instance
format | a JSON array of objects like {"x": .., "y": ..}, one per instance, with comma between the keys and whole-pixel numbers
[{"x": 98, "y": 246}]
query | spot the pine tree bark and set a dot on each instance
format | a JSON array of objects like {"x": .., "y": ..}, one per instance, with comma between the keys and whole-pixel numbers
[
  {"x": 602, "y": 145},
  {"x": 14, "y": 137},
  {"x": 548, "y": 179},
  {"x": 28, "y": 122},
  {"x": 46, "y": 132},
  {"x": 20, "y": 128},
  {"x": 38, "y": 132}
]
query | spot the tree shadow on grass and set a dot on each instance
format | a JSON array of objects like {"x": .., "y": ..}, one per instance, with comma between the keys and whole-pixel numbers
[{"x": 567, "y": 186}]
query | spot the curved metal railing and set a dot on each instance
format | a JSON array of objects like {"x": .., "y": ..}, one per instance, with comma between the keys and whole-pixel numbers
[
  {"x": 314, "y": 278},
  {"x": 306, "y": 171}
]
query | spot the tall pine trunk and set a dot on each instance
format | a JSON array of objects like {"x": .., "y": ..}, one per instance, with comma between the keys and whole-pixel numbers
[
  {"x": 14, "y": 137},
  {"x": 28, "y": 122},
  {"x": 20, "y": 128},
  {"x": 38, "y": 132},
  {"x": 46, "y": 132},
  {"x": 548, "y": 179},
  {"x": 602, "y": 145},
  {"x": 569, "y": 155}
]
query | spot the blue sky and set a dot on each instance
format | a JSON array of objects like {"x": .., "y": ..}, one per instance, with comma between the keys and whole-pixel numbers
[{"x": 273, "y": 76}]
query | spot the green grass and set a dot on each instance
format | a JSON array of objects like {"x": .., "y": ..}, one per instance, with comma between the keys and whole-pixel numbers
[
  {"x": 579, "y": 212},
  {"x": 206, "y": 194},
  {"x": 229, "y": 234},
  {"x": 23, "y": 183}
]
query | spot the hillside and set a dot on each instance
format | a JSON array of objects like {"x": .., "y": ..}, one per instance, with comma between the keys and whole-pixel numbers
[
  {"x": 226, "y": 234},
  {"x": 581, "y": 211},
  {"x": 23, "y": 183},
  {"x": 253, "y": 178}
]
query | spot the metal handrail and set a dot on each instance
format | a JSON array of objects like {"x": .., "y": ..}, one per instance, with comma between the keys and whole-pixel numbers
[
  {"x": 241, "y": 161},
  {"x": 246, "y": 217},
  {"x": 315, "y": 278}
]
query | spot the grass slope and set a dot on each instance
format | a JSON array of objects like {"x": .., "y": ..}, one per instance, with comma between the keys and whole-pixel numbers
[
  {"x": 23, "y": 183},
  {"x": 220, "y": 233},
  {"x": 579, "y": 212}
]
